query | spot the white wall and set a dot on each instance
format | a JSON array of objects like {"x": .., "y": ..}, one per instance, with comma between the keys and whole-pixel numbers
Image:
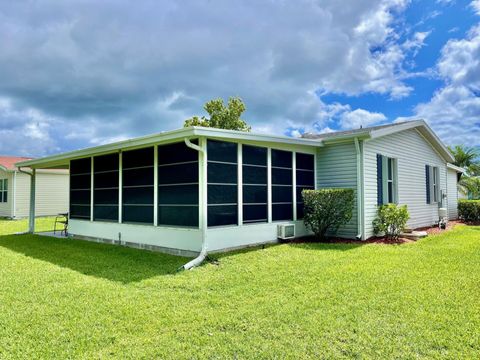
[
  {"x": 452, "y": 193},
  {"x": 337, "y": 168},
  {"x": 231, "y": 237},
  {"x": 51, "y": 195},
  {"x": 6, "y": 208},
  {"x": 166, "y": 237},
  {"x": 412, "y": 152}
]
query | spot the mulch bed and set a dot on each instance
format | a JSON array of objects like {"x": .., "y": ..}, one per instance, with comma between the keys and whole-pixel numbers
[{"x": 432, "y": 230}]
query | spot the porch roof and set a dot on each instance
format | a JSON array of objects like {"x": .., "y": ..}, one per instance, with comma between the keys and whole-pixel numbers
[{"x": 60, "y": 161}]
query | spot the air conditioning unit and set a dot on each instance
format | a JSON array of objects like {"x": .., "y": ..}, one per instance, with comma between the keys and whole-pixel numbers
[{"x": 285, "y": 231}]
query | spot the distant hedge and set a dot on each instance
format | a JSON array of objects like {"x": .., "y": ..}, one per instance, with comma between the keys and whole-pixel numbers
[
  {"x": 469, "y": 210},
  {"x": 327, "y": 209}
]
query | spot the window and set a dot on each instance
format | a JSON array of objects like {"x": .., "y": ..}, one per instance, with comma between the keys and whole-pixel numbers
[
  {"x": 282, "y": 185},
  {"x": 254, "y": 170},
  {"x": 3, "y": 190},
  {"x": 138, "y": 186},
  {"x": 178, "y": 185},
  {"x": 222, "y": 182},
  {"x": 305, "y": 178},
  {"x": 80, "y": 188},
  {"x": 105, "y": 187},
  {"x": 432, "y": 176},
  {"x": 386, "y": 180}
]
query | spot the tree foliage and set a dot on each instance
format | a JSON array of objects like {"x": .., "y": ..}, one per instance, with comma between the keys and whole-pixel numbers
[
  {"x": 391, "y": 220},
  {"x": 467, "y": 157},
  {"x": 327, "y": 209},
  {"x": 221, "y": 116}
]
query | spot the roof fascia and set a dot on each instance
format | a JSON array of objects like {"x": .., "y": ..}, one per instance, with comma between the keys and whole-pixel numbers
[
  {"x": 456, "y": 168},
  {"x": 344, "y": 138},
  {"x": 242, "y": 135},
  {"x": 61, "y": 159},
  {"x": 56, "y": 160},
  {"x": 424, "y": 130}
]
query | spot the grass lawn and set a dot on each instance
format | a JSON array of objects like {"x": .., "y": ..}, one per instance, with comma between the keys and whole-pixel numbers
[
  {"x": 16, "y": 226},
  {"x": 74, "y": 299}
]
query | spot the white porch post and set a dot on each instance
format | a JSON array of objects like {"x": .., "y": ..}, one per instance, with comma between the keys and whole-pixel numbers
[{"x": 31, "y": 218}]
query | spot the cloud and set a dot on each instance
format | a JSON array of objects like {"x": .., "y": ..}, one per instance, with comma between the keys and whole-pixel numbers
[
  {"x": 454, "y": 109},
  {"x": 360, "y": 118},
  {"x": 101, "y": 71},
  {"x": 475, "y": 4}
]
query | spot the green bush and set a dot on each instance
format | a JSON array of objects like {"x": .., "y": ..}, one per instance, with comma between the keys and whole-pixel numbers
[
  {"x": 469, "y": 210},
  {"x": 327, "y": 209},
  {"x": 391, "y": 220}
]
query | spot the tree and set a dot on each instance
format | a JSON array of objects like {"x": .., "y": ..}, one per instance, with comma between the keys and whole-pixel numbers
[
  {"x": 467, "y": 158},
  {"x": 221, "y": 116},
  {"x": 470, "y": 185}
]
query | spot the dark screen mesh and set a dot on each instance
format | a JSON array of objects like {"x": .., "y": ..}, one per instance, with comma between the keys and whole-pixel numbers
[
  {"x": 80, "y": 187},
  {"x": 222, "y": 179},
  {"x": 305, "y": 178},
  {"x": 178, "y": 185}
]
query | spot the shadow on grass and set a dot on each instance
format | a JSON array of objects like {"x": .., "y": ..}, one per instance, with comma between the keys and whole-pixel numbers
[
  {"x": 111, "y": 262},
  {"x": 317, "y": 246}
]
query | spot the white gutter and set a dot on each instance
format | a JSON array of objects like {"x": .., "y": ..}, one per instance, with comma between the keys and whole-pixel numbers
[
  {"x": 359, "y": 190},
  {"x": 203, "y": 253},
  {"x": 14, "y": 191}
]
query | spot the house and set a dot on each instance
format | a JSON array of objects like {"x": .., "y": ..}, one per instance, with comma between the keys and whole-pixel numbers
[
  {"x": 197, "y": 189},
  {"x": 51, "y": 195}
]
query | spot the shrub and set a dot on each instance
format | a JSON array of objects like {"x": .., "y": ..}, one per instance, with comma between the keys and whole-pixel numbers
[
  {"x": 391, "y": 220},
  {"x": 469, "y": 210},
  {"x": 327, "y": 209}
]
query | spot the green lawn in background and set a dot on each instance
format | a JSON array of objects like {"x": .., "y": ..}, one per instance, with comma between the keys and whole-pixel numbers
[
  {"x": 17, "y": 226},
  {"x": 64, "y": 298}
]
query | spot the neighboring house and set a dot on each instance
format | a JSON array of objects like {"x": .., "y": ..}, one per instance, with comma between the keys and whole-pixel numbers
[
  {"x": 51, "y": 192},
  {"x": 177, "y": 190}
]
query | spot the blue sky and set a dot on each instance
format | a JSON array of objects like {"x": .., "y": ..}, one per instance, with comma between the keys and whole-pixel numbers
[
  {"x": 84, "y": 73},
  {"x": 442, "y": 21}
]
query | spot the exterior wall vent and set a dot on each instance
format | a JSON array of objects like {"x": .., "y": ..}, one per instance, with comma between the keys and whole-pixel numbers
[{"x": 286, "y": 231}]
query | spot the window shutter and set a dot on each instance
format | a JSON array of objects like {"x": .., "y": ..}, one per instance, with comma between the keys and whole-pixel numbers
[
  {"x": 379, "y": 179},
  {"x": 427, "y": 183}
]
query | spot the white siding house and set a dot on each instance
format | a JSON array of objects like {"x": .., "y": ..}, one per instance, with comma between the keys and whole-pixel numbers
[
  {"x": 51, "y": 195},
  {"x": 199, "y": 189}
]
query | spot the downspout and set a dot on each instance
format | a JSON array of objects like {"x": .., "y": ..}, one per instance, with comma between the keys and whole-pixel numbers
[
  {"x": 359, "y": 190},
  {"x": 31, "y": 216},
  {"x": 14, "y": 195},
  {"x": 203, "y": 253}
]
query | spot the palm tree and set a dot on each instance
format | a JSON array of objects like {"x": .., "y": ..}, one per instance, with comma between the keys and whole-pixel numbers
[{"x": 467, "y": 157}]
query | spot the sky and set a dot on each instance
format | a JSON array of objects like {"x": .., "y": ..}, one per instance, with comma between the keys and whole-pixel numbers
[{"x": 80, "y": 73}]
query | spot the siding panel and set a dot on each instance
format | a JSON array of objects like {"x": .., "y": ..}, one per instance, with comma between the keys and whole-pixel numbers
[
  {"x": 337, "y": 168},
  {"x": 452, "y": 193},
  {"x": 412, "y": 152},
  {"x": 51, "y": 196}
]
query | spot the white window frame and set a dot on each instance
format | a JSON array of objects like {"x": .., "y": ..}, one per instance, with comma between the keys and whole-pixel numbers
[
  {"x": 3, "y": 190},
  {"x": 388, "y": 178},
  {"x": 435, "y": 184}
]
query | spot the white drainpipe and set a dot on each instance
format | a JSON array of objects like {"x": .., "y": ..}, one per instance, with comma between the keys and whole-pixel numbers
[
  {"x": 14, "y": 197},
  {"x": 203, "y": 253},
  {"x": 359, "y": 190},
  {"x": 31, "y": 216}
]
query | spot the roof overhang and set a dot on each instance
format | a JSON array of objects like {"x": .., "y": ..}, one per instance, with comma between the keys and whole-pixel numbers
[
  {"x": 458, "y": 169},
  {"x": 420, "y": 125},
  {"x": 61, "y": 161}
]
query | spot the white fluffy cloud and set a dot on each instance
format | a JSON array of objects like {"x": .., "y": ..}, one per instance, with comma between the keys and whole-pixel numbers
[
  {"x": 360, "y": 118},
  {"x": 109, "y": 70},
  {"x": 454, "y": 110}
]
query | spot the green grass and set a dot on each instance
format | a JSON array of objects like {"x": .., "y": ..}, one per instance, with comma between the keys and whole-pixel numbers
[
  {"x": 16, "y": 226},
  {"x": 73, "y": 299}
]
